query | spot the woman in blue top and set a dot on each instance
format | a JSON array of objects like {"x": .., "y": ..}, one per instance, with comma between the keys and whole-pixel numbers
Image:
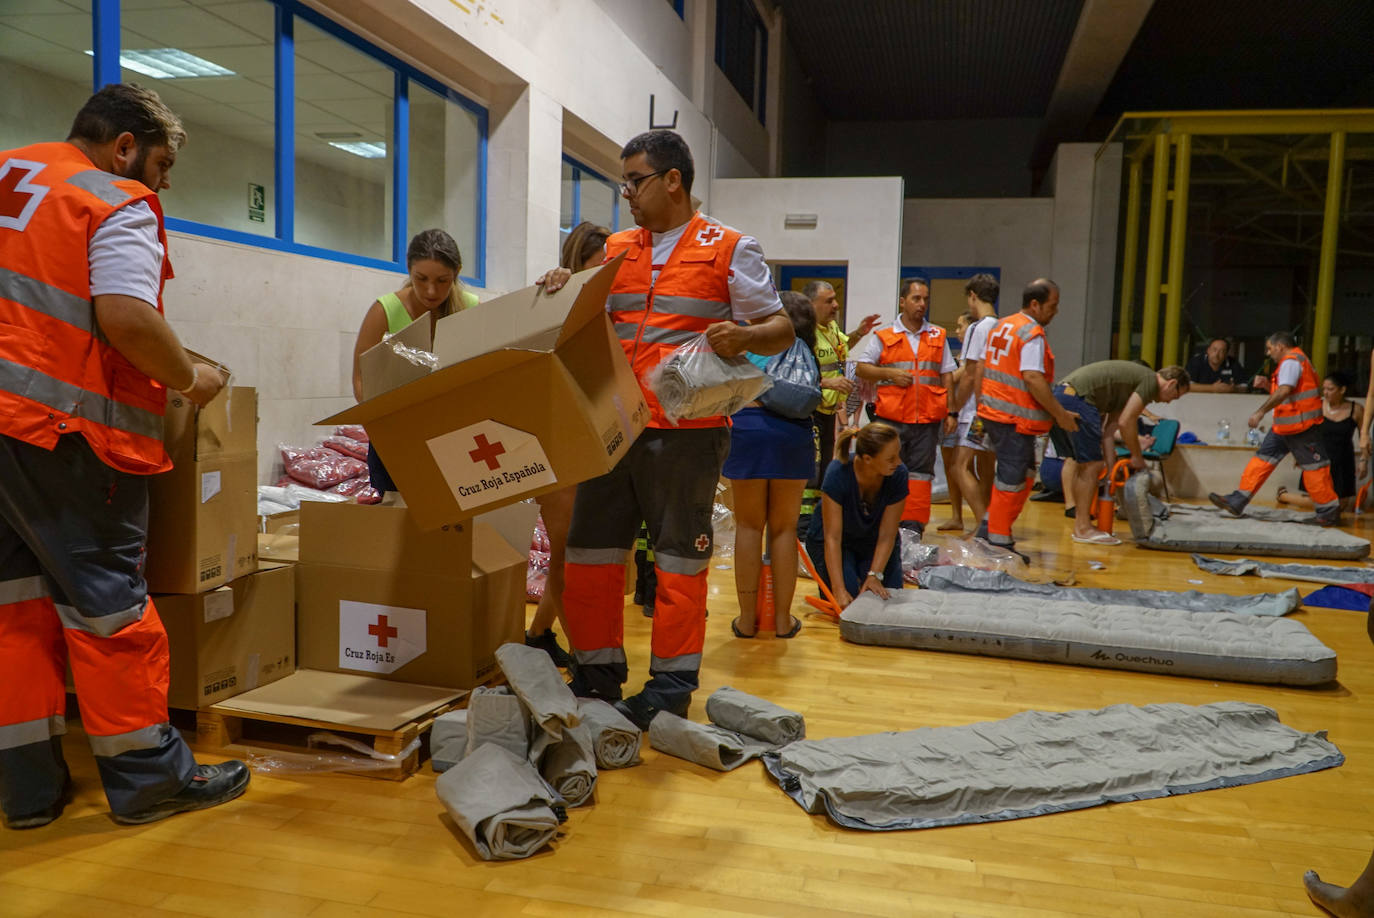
[
  {"x": 854, "y": 548},
  {"x": 432, "y": 289}
]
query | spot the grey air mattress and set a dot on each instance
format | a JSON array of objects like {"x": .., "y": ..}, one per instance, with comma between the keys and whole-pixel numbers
[
  {"x": 956, "y": 579},
  {"x": 1312, "y": 573},
  {"x": 1208, "y": 645},
  {"x": 1200, "y": 529},
  {"x": 1039, "y": 762}
]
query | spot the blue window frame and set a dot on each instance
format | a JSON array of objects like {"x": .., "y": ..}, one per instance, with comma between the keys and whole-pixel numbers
[
  {"x": 600, "y": 185},
  {"x": 679, "y": 7},
  {"x": 105, "y": 33}
]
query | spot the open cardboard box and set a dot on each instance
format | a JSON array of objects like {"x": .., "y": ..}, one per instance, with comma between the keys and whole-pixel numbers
[
  {"x": 376, "y": 596},
  {"x": 533, "y": 393}
]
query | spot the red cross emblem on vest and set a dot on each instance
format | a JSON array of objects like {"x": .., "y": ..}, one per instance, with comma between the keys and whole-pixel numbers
[
  {"x": 709, "y": 235},
  {"x": 703, "y": 542},
  {"x": 382, "y": 631},
  {"x": 487, "y": 452},
  {"x": 19, "y": 196}
]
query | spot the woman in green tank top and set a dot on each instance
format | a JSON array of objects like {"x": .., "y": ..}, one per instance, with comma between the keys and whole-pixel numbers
[{"x": 432, "y": 289}]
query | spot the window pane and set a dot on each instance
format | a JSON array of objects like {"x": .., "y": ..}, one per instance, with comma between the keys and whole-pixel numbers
[
  {"x": 565, "y": 206},
  {"x": 225, "y": 175},
  {"x": 444, "y": 142},
  {"x": 44, "y": 68},
  {"x": 344, "y": 102},
  {"x": 598, "y": 201}
]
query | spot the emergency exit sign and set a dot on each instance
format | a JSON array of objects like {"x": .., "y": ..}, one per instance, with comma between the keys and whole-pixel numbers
[{"x": 257, "y": 203}]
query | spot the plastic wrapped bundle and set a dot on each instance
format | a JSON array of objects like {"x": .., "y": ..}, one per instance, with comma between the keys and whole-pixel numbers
[
  {"x": 347, "y": 445},
  {"x": 354, "y": 431},
  {"x": 695, "y": 382}
]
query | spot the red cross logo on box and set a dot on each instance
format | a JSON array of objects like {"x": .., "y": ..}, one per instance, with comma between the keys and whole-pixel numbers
[
  {"x": 19, "y": 196},
  {"x": 487, "y": 452},
  {"x": 709, "y": 235},
  {"x": 703, "y": 542},
  {"x": 382, "y": 631}
]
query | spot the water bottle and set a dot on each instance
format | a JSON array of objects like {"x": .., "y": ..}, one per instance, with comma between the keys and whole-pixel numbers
[
  {"x": 1223, "y": 431},
  {"x": 1254, "y": 436}
]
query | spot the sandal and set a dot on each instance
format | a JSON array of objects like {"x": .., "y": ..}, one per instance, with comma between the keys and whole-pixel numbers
[
  {"x": 734, "y": 626},
  {"x": 1283, "y": 489},
  {"x": 1097, "y": 538},
  {"x": 796, "y": 627}
]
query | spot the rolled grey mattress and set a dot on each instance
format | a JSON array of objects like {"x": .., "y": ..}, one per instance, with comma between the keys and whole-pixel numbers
[{"x": 1207, "y": 645}]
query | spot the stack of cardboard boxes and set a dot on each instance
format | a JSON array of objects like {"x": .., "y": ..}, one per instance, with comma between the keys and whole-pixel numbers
[{"x": 230, "y": 621}]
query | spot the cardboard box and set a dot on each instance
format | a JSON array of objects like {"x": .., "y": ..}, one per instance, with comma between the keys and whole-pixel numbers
[
  {"x": 377, "y": 596},
  {"x": 278, "y": 546},
  {"x": 533, "y": 394},
  {"x": 342, "y": 700},
  {"x": 202, "y": 515},
  {"x": 231, "y": 639}
]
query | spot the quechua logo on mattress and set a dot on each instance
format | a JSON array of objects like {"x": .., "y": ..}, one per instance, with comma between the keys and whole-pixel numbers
[
  {"x": 488, "y": 461},
  {"x": 379, "y": 639}
]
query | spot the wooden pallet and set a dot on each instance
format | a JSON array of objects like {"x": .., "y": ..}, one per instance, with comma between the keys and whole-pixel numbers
[{"x": 216, "y": 730}]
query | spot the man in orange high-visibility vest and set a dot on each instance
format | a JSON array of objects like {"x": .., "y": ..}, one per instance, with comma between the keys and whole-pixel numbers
[
  {"x": 684, "y": 275},
  {"x": 86, "y": 359},
  {"x": 913, "y": 368},
  {"x": 1295, "y": 397},
  {"x": 1017, "y": 404}
]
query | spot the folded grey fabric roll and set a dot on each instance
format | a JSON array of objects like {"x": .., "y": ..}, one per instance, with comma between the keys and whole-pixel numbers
[
  {"x": 537, "y": 683},
  {"x": 570, "y": 765},
  {"x": 614, "y": 738},
  {"x": 445, "y": 756},
  {"x": 494, "y": 717},
  {"x": 448, "y": 740},
  {"x": 500, "y": 803},
  {"x": 752, "y": 716},
  {"x": 704, "y": 744}
]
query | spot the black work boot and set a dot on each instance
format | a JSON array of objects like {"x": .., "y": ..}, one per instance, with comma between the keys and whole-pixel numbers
[
  {"x": 548, "y": 642},
  {"x": 1233, "y": 503},
  {"x": 210, "y": 786},
  {"x": 42, "y": 817},
  {"x": 640, "y": 711}
]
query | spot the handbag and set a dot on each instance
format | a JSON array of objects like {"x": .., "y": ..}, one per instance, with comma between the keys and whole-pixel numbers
[{"x": 796, "y": 389}]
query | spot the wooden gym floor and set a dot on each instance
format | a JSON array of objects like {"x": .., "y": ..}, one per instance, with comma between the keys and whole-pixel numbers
[{"x": 669, "y": 838}]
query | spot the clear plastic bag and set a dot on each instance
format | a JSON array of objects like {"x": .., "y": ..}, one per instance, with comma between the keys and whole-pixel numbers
[
  {"x": 723, "y": 529},
  {"x": 415, "y": 355},
  {"x": 347, "y": 445},
  {"x": 296, "y": 763},
  {"x": 796, "y": 389},
  {"x": 536, "y": 575},
  {"x": 696, "y": 382},
  {"x": 982, "y": 555},
  {"x": 916, "y": 555},
  {"x": 355, "y": 431}
]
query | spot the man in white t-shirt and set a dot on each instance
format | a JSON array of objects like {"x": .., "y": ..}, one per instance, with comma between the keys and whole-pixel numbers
[
  {"x": 968, "y": 450},
  {"x": 684, "y": 275}
]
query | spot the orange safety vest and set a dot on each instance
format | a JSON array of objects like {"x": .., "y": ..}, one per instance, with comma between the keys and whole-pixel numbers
[
  {"x": 58, "y": 374},
  {"x": 654, "y": 318},
  {"x": 924, "y": 401},
  {"x": 1004, "y": 396},
  {"x": 1303, "y": 408}
]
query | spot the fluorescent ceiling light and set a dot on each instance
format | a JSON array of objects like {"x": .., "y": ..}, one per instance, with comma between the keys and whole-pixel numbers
[
  {"x": 169, "y": 64},
  {"x": 365, "y": 149}
]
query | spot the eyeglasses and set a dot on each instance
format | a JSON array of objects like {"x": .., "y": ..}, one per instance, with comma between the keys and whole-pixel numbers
[{"x": 631, "y": 185}]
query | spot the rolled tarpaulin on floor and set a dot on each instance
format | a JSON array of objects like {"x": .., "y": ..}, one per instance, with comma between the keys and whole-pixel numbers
[
  {"x": 615, "y": 739},
  {"x": 500, "y": 803},
  {"x": 740, "y": 712},
  {"x": 704, "y": 744},
  {"x": 1313, "y": 573},
  {"x": 497, "y": 718},
  {"x": 569, "y": 765},
  {"x": 539, "y": 685},
  {"x": 448, "y": 740}
]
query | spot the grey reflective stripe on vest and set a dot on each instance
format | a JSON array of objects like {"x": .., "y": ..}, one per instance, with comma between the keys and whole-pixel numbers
[
  {"x": 142, "y": 738},
  {"x": 830, "y": 367},
  {"x": 1005, "y": 379},
  {"x": 12, "y": 736},
  {"x": 100, "y": 625},
  {"x": 1299, "y": 396},
  {"x": 687, "y": 663},
  {"x": 102, "y": 185},
  {"x": 900, "y": 365},
  {"x": 77, "y": 402},
  {"x": 47, "y": 299},
  {"x": 655, "y": 335},
  {"x": 676, "y": 564},
  {"x": 932, "y": 365},
  {"x": 1027, "y": 331},
  {"x": 1285, "y": 419},
  {"x": 691, "y": 306},
  {"x": 997, "y": 404},
  {"x": 595, "y": 555},
  {"x": 605, "y": 656},
  {"x": 626, "y": 302},
  {"x": 22, "y": 590}
]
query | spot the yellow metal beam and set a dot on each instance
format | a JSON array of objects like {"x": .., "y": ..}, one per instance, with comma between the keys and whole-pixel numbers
[
  {"x": 1326, "y": 266},
  {"x": 1260, "y": 122},
  {"x": 1128, "y": 260},
  {"x": 1154, "y": 251},
  {"x": 1178, "y": 247}
]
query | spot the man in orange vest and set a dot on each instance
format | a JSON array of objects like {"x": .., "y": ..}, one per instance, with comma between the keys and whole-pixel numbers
[
  {"x": 86, "y": 359},
  {"x": 684, "y": 274},
  {"x": 1017, "y": 404},
  {"x": 913, "y": 368},
  {"x": 1295, "y": 397}
]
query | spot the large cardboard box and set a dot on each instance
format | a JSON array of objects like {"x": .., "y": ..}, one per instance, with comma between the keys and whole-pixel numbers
[
  {"x": 377, "y": 596},
  {"x": 533, "y": 393},
  {"x": 202, "y": 515},
  {"x": 232, "y": 639}
]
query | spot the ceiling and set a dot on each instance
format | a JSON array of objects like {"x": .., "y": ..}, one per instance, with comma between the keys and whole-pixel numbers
[{"x": 885, "y": 60}]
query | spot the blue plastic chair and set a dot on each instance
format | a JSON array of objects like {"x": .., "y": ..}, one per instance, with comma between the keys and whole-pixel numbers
[{"x": 1166, "y": 436}]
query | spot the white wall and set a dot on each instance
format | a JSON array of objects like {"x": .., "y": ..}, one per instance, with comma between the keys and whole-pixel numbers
[{"x": 859, "y": 223}]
